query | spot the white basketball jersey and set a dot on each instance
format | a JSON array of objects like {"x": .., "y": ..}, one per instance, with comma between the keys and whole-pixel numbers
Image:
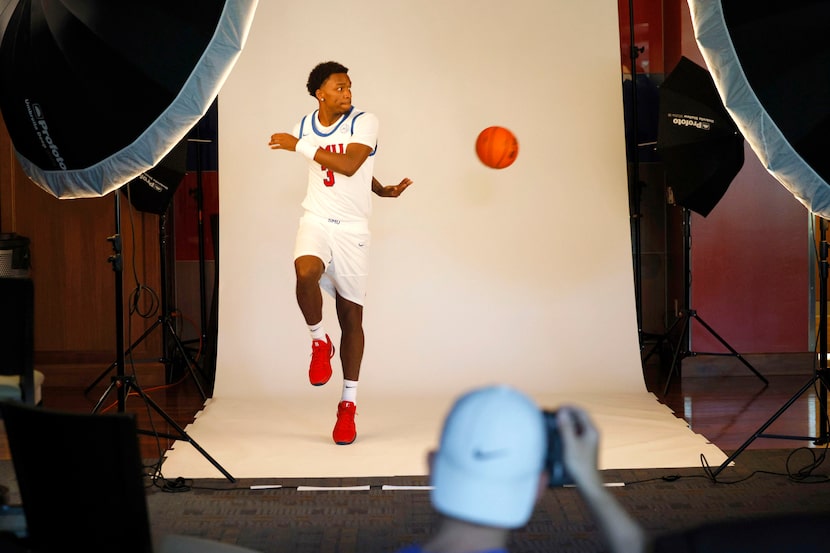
[{"x": 334, "y": 195}]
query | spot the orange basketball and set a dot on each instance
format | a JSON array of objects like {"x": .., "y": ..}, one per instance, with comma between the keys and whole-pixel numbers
[{"x": 497, "y": 147}]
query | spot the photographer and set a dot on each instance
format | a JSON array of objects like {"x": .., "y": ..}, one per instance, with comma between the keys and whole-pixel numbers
[{"x": 492, "y": 466}]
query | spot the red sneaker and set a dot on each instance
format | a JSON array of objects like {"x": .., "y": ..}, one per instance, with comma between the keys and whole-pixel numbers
[
  {"x": 319, "y": 371},
  {"x": 344, "y": 430}
]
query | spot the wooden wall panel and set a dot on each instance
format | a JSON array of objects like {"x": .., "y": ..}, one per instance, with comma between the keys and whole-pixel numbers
[
  {"x": 75, "y": 316},
  {"x": 7, "y": 169}
]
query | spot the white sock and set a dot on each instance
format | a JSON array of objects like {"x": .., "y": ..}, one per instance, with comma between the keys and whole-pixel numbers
[
  {"x": 317, "y": 331},
  {"x": 349, "y": 391}
]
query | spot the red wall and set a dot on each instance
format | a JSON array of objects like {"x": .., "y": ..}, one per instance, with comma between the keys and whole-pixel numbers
[
  {"x": 186, "y": 215},
  {"x": 750, "y": 267},
  {"x": 648, "y": 34},
  {"x": 750, "y": 258}
]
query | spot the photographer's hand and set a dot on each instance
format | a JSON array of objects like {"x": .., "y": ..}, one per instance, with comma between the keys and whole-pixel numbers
[{"x": 580, "y": 445}]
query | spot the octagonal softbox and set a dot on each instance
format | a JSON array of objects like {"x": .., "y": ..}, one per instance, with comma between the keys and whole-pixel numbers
[
  {"x": 699, "y": 143},
  {"x": 96, "y": 92},
  {"x": 771, "y": 64}
]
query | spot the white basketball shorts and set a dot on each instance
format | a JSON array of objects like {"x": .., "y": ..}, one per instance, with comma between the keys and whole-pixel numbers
[{"x": 344, "y": 249}]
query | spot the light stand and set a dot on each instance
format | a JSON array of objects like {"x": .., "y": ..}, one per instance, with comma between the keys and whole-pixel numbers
[
  {"x": 201, "y": 236},
  {"x": 682, "y": 349},
  {"x": 820, "y": 375},
  {"x": 121, "y": 381},
  {"x": 634, "y": 185},
  {"x": 198, "y": 194},
  {"x": 635, "y": 132},
  {"x": 165, "y": 319}
]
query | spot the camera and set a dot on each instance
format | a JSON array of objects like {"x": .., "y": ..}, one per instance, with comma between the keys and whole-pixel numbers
[{"x": 557, "y": 474}]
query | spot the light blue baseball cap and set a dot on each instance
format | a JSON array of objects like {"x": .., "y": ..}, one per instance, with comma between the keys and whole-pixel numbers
[{"x": 491, "y": 455}]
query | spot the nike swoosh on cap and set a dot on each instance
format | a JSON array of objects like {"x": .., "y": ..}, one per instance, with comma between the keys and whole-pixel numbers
[{"x": 486, "y": 455}]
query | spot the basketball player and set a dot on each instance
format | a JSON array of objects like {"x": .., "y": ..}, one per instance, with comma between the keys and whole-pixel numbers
[{"x": 332, "y": 244}]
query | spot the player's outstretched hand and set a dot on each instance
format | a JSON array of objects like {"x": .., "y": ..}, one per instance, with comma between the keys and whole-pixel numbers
[
  {"x": 283, "y": 141},
  {"x": 395, "y": 190}
]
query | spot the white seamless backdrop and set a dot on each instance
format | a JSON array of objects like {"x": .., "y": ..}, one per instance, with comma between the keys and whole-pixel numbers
[{"x": 521, "y": 275}]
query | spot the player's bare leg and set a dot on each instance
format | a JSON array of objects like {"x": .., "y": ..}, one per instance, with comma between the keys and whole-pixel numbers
[
  {"x": 309, "y": 269},
  {"x": 350, "y": 316}
]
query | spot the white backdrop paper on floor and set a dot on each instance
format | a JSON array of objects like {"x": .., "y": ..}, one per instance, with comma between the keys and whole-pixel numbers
[
  {"x": 520, "y": 276},
  {"x": 290, "y": 438}
]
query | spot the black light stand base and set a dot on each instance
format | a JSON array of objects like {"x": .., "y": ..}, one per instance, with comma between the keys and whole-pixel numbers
[
  {"x": 165, "y": 320},
  {"x": 822, "y": 439},
  {"x": 125, "y": 385},
  {"x": 168, "y": 327},
  {"x": 821, "y": 376},
  {"x": 646, "y": 337},
  {"x": 686, "y": 317}
]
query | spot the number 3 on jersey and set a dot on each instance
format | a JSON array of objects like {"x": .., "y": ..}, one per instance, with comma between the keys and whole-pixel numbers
[
  {"x": 337, "y": 149},
  {"x": 328, "y": 180}
]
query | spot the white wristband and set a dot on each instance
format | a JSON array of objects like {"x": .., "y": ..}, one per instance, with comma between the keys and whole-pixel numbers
[{"x": 307, "y": 148}]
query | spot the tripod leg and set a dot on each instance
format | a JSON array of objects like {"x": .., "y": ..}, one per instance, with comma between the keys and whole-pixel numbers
[
  {"x": 126, "y": 353},
  {"x": 823, "y": 438},
  {"x": 677, "y": 348},
  {"x": 730, "y": 348},
  {"x": 178, "y": 428},
  {"x": 654, "y": 348},
  {"x": 760, "y": 431},
  {"x": 101, "y": 377},
  {"x": 107, "y": 392},
  {"x": 661, "y": 339}
]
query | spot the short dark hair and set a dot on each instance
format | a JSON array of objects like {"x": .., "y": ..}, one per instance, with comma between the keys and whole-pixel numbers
[{"x": 322, "y": 72}]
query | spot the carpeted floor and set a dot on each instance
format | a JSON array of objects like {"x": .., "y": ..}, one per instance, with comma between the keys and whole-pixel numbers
[{"x": 380, "y": 520}]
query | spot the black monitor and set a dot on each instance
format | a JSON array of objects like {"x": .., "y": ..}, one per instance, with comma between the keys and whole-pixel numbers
[{"x": 80, "y": 478}]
